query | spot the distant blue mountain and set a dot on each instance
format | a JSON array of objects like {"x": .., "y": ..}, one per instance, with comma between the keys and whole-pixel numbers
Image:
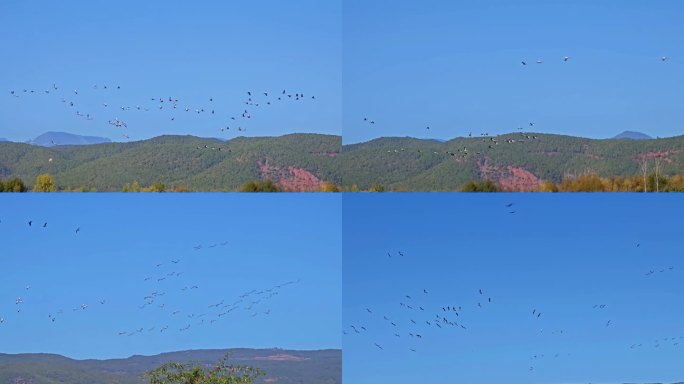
[
  {"x": 631, "y": 135},
  {"x": 50, "y": 139},
  {"x": 3, "y": 139}
]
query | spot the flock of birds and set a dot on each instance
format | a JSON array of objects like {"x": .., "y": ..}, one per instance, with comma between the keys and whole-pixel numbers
[
  {"x": 236, "y": 121},
  {"x": 418, "y": 317},
  {"x": 421, "y": 317},
  {"x": 163, "y": 299},
  {"x": 491, "y": 142}
]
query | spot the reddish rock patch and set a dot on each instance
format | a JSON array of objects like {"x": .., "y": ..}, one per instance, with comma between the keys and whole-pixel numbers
[
  {"x": 519, "y": 180},
  {"x": 664, "y": 155},
  {"x": 511, "y": 179},
  {"x": 282, "y": 357},
  {"x": 291, "y": 179},
  {"x": 594, "y": 157},
  {"x": 329, "y": 154}
]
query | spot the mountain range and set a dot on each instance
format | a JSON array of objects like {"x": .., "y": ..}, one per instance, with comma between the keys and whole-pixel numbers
[
  {"x": 281, "y": 366},
  {"x": 298, "y": 162},
  {"x": 49, "y": 139},
  {"x": 633, "y": 136},
  {"x": 516, "y": 161},
  {"x": 302, "y": 162}
]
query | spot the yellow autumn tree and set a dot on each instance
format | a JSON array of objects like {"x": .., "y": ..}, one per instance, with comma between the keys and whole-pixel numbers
[{"x": 44, "y": 183}]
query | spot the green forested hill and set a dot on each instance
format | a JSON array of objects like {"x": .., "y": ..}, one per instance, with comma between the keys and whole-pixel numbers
[
  {"x": 281, "y": 366},
  {"x": 516, "y": 161},
  {"x": 302, "y": 161},
  {"x": 299, "y": 160}
]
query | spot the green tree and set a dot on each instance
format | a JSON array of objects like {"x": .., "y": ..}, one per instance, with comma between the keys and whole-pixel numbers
[
  {"x": 13, "y": 185},
  {"x": 257, "y": 186},
  {"x": 657, "y": 182},
  {"x": 156, "y": 187},
  {"x": 377, "y": 188},
  {"x": 221, "y": 373},
  {"x": 44, "y": 183},
  {"x": 482, "y": 186},
  {"x": 329, "y": 187}
]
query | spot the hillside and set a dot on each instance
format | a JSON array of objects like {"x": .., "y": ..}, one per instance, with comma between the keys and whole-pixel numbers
[
  {"x": 513, "y": 160},
  {"x": 303, "y": 161},
  {"x": 281, "y": 366},
  {"x": 297, "y": 162}
]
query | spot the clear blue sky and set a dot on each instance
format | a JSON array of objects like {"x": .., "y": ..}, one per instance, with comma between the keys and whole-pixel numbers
[
  {"x": 455, "y": 66},
  {"x": 190, "y": 51},
  {"x": 558, "y": 254},
  {"x": 269, "y": 241}
]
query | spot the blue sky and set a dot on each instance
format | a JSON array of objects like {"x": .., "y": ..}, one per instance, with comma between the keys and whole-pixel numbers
[
  {"x": 184, "y": 50},
  {"x": 248, "y": 243},
  {"x": 455, "y": 66},
  {"x": 558, "y": 254}
]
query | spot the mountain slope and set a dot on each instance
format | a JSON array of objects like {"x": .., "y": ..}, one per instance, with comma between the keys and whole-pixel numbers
[
  {"x": 298, "y": 161},
  {"x": 303, "y": 161},
  {"x": 281, "y": 366},
  {"x": 516, "y": 162}
]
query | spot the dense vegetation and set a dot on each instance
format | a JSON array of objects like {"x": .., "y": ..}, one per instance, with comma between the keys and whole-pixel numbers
[
  {"x": 186, "y": 163},
  {"x": 13, "y": 184},
  {"x": 428, "y": 165},
  {"x": 174, "y": 162}
]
